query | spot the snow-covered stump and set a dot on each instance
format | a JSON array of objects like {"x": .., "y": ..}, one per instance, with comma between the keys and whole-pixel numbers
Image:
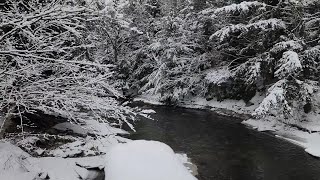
[{"x": 145, "y": 160}]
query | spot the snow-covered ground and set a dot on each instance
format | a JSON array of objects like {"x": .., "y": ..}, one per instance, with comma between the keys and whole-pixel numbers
[
  {"x": 59, "y": 157},
  {"x": 145, "y": 160},
  {"x": 227, "y": 107},
  {"x": 17, "y": 164},
  {"x": 133, "y": 160},
  {"x": 89, "y": 146},
  {"x": 309, "y": 138}
]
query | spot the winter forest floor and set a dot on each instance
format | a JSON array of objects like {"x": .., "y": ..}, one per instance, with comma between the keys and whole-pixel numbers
[{"x": 67, "y": 151}]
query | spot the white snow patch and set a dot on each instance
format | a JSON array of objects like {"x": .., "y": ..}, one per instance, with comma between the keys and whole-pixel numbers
[
  {"x": 242, "y": 7},
  {"x": 13, "y": 162},
  {"x": 303, "y": 2},
  {"x": 287, "y": 45},
  {"x": 217, "y": 76},
  {"x": 262, "y": 25},
  {"x": 91, "y": 126},
  {"x": 309, "y": 141},
  {"x": 145, "y": 160},
  {"x": 236, "y": 106},
  {"x": 186, "y": 161},
  {"x": 148, "y": 111},
  {"x": 289, "y": 63},
  {"x": 149, "y": 99},
  {"x": 17, "y": 164},
  {"x": 275, "y": 99},
  {"x": 89, "y": 146},
  {"x": 135, "y": 29}
]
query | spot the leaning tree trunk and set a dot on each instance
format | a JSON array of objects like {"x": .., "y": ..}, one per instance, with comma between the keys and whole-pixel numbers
[{"x": 5, "y": 122}]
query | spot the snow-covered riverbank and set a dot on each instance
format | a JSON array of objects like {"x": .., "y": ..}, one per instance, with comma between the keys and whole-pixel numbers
[
  {"x": 82, "y": 154},
  {"x": 17, "y": 164},
  {"x": 305, "y": 134}
]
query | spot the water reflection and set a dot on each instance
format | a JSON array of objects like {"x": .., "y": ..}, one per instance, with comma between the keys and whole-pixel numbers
[{"x": 224, "y": 149}]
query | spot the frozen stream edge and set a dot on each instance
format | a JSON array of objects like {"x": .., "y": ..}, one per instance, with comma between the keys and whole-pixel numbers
[{"x": 307, "y": 140}]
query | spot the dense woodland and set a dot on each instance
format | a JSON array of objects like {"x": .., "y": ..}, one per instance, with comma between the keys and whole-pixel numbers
[{"x": 81, "y": 59}]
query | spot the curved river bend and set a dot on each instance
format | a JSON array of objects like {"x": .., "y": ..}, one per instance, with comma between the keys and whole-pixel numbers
[{"x": 224, "y": 149}]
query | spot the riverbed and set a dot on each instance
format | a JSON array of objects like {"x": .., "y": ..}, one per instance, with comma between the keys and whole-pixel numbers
[{"x": 224, "y": 149}]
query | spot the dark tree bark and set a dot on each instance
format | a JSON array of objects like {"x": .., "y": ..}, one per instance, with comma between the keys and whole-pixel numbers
[
  {"x": 199, "y": 4},
  {"x": 271, "y": 2}
]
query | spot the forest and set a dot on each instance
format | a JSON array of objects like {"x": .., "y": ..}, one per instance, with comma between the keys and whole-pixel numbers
[{"x": 84, "y": 61}]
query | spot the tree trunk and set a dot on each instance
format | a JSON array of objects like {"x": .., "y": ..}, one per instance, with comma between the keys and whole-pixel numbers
[{"x": 5, "y": 122}]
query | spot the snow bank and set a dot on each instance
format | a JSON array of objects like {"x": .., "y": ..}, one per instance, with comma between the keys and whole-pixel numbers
[
  {"x": 149, "y": 99},
  {"x": 227, "y": 107},
  {"x": 148, "y": 111},
  {"x": 309, "y": 141},
  {"x": 15, "y": 164},
  {"x": 89, "y": 146},
  {"x": 145, "y": 160},
  {"x": 186, "y": 161}
]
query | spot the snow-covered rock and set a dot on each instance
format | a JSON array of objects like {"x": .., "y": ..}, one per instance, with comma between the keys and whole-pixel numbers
[
  {"x": 145, "y": 160},
  {"x": 148, "y": 111},
  {"x": 15, "y": 164}
]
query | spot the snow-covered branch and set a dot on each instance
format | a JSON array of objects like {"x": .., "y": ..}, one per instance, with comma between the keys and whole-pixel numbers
[
  {"x": 243, "y": 7},
  {"x": 288, "y": 64},
  {"x": 46, "y": 66},
  {"x": 262, "y": 25},
  {"x": 275, "y": 101}
]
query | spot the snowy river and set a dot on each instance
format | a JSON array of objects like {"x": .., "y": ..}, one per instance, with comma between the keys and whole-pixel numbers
[{"x": 224, "y": 149}]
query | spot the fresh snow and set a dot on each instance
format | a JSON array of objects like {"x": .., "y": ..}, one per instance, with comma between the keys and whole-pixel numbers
[
  {"x": 149, "y": 99},
  {"x": 88, "y": 146},
  {"x": 309, "y": 141},
  {"x": 217, "y": 76},
  {"x": 148, "y": 111},
  {"x": 304, "y": 2},
  {"x": 242, "y": 7},
  {"x": 89, "y": 127},
  {"x": 289, "y": 63},
  {"x": 145, "y": 160},
  {"x": 287, "y": 45},
  {"x": 274, "y": 99},
  {"x": 95, "y": 139},
  {"x": 262, "y": 25},
  {"x": 17, "y": 164},
  {"x": 183, "y": 158},
  {"x": 227, "y": 107}
]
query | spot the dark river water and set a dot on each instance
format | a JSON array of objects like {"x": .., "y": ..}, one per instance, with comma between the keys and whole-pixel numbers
[{"x": 224, "y": 149}]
